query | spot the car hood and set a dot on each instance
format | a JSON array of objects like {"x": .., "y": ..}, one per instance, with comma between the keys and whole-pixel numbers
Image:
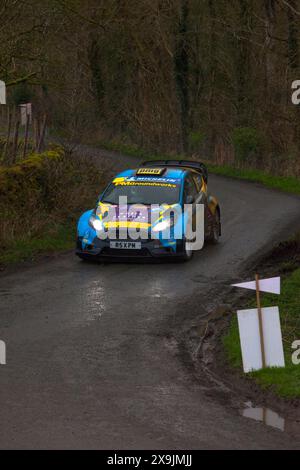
[{"x": 135, "y": 215}]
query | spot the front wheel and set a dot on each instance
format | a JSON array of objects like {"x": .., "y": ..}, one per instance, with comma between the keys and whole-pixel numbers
[
  {"x": 186, "y": 252},
  {"x": 86, "y": 259}
]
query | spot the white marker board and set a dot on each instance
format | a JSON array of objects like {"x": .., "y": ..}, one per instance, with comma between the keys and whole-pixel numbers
[
  {"x": 26, "y": 112},
  {"x": 271, "y": 285},
  {"x": 250, "y": 338},
  {"x": 2, "y": 93}
]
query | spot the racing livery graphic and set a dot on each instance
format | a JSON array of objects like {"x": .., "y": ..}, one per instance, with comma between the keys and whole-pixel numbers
[{"x": 150, "y": 212}]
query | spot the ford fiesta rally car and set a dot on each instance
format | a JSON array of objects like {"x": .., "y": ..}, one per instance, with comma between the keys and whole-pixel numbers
[{"x": 153, "y": 194}]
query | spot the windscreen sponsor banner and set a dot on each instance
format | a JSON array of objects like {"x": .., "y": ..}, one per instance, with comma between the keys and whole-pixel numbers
[{"x": 149, "y": 181}]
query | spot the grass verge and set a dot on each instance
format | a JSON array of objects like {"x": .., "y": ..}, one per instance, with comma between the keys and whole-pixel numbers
[
  {"x": 286, "y": 184},
  {"x": 284, "y": 382},
  {"x": 28, "y": 248}
]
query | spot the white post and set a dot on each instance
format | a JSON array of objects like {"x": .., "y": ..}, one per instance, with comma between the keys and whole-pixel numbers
[
  {"x": 260, "y": 320},
  {"x": 2, "y": 353},
  {"x": 2, "y": 92}
]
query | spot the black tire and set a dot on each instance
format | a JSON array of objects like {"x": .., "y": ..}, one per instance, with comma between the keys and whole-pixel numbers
[
  {"x": 216, "y": 228},
  {"x": 86, "y": 259},
  {"x": 186, "y": 255}
]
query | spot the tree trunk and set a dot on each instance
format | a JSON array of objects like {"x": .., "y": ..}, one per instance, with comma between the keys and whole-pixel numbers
[
  {"x": 293, "y": 44},
  {"x": 181, "y": 65},
  {"x": 293, "y": 56},
  {"x": 94, "y": 57},
  {"x": 244, "y": 101},
  {"x": 212, "y": 76},
  {"x": 42, "y": 135}
]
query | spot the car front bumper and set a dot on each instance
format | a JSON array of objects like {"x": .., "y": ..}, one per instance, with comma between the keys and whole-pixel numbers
[{"x": 150, "y": 249}]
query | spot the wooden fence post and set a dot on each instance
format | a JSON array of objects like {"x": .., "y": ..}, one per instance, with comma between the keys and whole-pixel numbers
[
  {"x": 36, "y": 133},
  {"x": 16, "y": 140},
  {"x": 26, "y": 135},
  {"x": 7, "y": 143},
  {"x": 42, "y": 134}
]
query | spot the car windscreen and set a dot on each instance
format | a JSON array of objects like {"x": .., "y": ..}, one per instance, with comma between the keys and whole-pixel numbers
[{"x": 141, "y": 192}]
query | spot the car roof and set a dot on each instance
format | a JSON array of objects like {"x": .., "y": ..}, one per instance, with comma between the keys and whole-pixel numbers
[{"x": 170, "y": 172}]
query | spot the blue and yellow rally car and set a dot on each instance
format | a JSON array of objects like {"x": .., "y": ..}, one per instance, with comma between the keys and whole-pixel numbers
[{"x": 142, "y": 213}]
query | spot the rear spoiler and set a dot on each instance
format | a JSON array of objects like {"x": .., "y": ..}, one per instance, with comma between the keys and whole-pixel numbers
[{"x": 198, "y": 166}]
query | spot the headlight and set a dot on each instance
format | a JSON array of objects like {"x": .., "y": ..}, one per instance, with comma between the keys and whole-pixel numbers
[
  {"x": 161, "y": 226},
  {"x": 96, "y": 223}
]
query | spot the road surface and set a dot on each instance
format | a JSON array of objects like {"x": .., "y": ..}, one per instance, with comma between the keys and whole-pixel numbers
[{"x": 92, "y": 354}]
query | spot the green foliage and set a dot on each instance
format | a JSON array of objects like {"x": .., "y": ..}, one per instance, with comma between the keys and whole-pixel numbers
[
  {"x": 247, "y": 142},
  {"x": 196, "y": 139},
  {"x": 231, "y": 342},
  {"x": 21, "y": 182},
  {"x": 284, "y": 381},
  {"x": 41, "y": 197},
  {"x": 2, "y": 145},
  {"x": 21, "y": 93},
  {"x": 155, "y": 74}
]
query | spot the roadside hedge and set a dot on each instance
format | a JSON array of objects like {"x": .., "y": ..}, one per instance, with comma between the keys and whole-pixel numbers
[
  {"x": 23, "y": 183},
  {"x": 44, "y": 194}
]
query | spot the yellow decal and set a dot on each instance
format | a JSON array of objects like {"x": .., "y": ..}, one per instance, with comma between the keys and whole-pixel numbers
[
  {"x": 213, "y": 203},
  {"x": 103, "y": 209},
  {"x": 118, "y": 180},
  {"x": 204, "y": 186},
  {"x": 127, "y": 224}
]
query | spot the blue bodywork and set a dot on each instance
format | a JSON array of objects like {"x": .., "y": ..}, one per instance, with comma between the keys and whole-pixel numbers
[{"x": 90, "y": 245}]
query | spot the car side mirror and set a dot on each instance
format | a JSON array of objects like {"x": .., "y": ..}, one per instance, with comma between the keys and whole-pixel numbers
[{"x": 190, "y": 199}]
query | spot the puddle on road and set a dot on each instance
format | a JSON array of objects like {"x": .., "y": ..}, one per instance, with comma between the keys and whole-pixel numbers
[
  {"x": 264, "y": 415},
  {"x": 272, "y": 419}
]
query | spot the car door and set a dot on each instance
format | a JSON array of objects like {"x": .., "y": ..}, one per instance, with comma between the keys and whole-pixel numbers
[
  {"x": 191, "y": 196},
  {"x": 202, "y": 198}
]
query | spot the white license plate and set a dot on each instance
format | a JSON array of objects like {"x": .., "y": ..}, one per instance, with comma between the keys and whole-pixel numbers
[{"x": 126, "y": 245}]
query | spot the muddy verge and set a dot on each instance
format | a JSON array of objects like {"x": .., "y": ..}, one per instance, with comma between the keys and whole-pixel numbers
[{"x": 207, "y": 356}]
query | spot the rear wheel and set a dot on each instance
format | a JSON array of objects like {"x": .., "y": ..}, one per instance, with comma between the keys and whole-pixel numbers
[{"x": 216, "y": 228}]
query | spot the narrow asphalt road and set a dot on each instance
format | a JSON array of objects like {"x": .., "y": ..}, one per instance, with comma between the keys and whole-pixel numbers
[{"x": 92, "y": 356}]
